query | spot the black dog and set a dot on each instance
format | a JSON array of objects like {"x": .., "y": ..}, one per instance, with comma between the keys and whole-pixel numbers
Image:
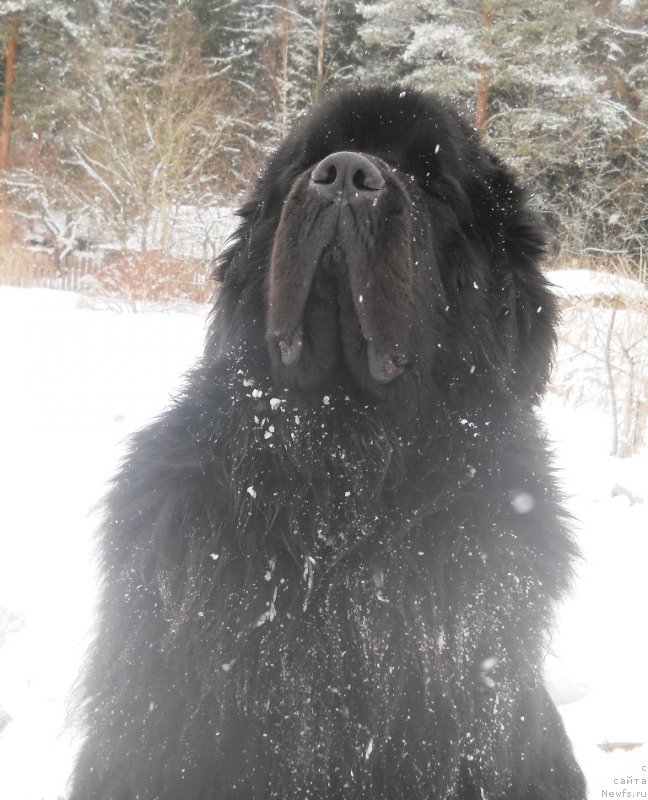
[{"x": 330, "y": 568}]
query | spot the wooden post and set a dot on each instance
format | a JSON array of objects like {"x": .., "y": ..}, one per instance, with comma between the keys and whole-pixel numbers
[
  {"x": 10, "y": 71},
  {"x": 321, "y": 46},
  {"x": 483, "y": 90},
  {"x": 282, "y": 23}
]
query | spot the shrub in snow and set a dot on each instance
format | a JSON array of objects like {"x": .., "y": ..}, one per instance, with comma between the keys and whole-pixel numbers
[{"x": 603, "y": 350}]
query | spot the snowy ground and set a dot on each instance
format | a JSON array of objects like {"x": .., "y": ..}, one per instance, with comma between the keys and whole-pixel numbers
[{"x": 76, "y": 381}]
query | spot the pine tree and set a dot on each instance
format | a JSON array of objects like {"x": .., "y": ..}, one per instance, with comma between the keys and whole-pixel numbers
[
  {"x": 7, "y": 100},
  {"x": 523, "y": 61},
  {"x": 541, "y": 83},
  {"x": 38, "y": 35}
]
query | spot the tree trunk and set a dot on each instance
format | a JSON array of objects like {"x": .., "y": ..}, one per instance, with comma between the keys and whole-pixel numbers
[
  {"x": 483, "y": 90},
  {"x": 614, "y": 409},
  {"x": 281, "y": 21},
  {"x": 10, "y": 71},
  {"x": 321, "y": 46}
]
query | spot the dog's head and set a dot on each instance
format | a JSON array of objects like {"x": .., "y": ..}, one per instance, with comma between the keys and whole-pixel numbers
[{"x": 385, "y": 247}]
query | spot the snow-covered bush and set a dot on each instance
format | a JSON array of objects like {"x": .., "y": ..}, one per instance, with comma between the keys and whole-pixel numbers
[
  {"x": 130, "y": 279},
  {"x": 603, "y": 351}
]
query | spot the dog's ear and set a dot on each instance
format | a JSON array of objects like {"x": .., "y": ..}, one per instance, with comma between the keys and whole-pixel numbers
[
  {"x": 239, "y": 305},
  {"x": 528, "y": 309}
]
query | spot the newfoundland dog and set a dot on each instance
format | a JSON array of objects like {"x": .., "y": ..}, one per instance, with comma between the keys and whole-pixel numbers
[{"x": 330, "y": 568}]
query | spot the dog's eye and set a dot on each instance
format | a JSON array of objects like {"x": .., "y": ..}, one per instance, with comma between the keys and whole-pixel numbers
[
  {"x": 412, "y": 178},
  {"x": 428, "y": 182},
  {"x": 433, "y": 190}
]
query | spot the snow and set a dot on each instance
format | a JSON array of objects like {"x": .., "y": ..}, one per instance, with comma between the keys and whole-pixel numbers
[
  {"x": 598, "y": 668},
  {"x": 588, "y": 283},
  {"x": 77, "y": 381}
]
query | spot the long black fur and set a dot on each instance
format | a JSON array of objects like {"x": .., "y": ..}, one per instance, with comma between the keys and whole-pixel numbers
[{"x": 321, "y": 585}]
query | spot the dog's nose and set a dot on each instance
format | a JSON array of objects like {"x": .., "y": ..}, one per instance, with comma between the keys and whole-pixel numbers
[{"x": 346, "y": 173}]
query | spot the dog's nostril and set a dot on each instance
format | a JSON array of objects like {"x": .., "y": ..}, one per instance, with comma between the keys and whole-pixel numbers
[
  {"x": 360, "y": 180},
  {"x": 368, "y": 181},
  {"x": 327, "y": 175}
]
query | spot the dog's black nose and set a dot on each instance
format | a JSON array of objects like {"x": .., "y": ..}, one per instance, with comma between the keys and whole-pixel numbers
[{"x": 346, "y": 173}]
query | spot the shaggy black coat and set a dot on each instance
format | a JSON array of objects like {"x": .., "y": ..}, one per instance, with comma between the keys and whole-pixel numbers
[{"x": 330, "y": 568}]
